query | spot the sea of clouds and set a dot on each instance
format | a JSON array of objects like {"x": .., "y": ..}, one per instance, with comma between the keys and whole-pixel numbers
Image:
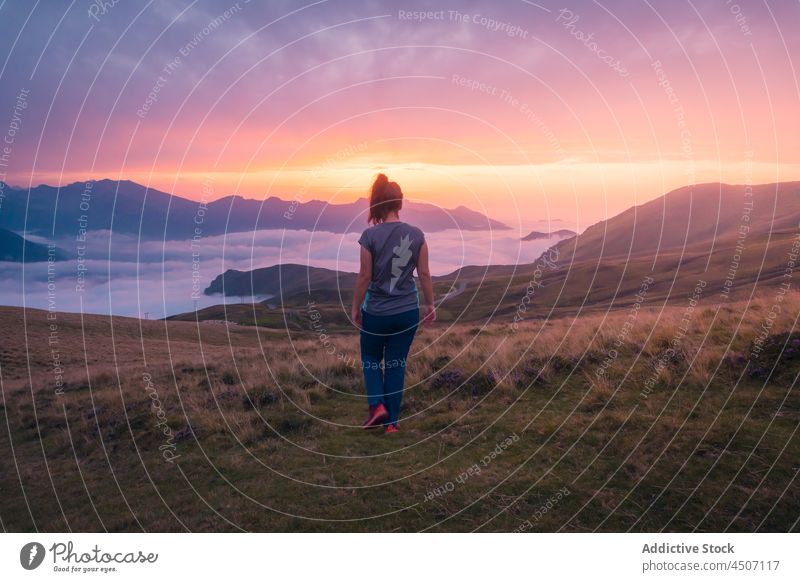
[{"x": 128, "y": 277}]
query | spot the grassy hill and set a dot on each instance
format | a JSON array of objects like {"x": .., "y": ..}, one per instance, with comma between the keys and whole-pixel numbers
[
  {"x": 682, "y": 237},
  {"x": 280, "y": 280},
  {"x": 695, "y": 218},
  {"x": 559, "y": 425}
]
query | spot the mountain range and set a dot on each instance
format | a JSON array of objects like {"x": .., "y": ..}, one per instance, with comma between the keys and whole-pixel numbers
[
  {"x": 735, "y": 239},
  {"x": 131, "y": 208}
]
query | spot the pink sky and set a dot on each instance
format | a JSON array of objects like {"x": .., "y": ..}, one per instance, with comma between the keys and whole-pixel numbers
[{"x": 311, "y": 104}]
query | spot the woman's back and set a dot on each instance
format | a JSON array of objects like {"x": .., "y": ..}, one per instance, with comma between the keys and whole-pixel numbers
[
  {"x": 385, "y": 300},
  {"x": 395, "y": 247}
]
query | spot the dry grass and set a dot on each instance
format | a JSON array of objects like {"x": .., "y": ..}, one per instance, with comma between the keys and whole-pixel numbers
[{"x": 263, "y": 423}]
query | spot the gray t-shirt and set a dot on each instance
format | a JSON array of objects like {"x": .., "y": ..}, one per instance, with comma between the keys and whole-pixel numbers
[{"x": 394, "y": 247}]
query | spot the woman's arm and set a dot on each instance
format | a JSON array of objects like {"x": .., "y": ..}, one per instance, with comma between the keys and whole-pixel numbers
[
  {"x": 362, "y": 282},
  {"x": 424, "y": 274}
]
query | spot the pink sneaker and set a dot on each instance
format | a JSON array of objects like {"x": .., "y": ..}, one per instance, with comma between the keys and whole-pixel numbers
[
  {"x": 377, "y": 414},
  {"x": 391, "y": 428}
]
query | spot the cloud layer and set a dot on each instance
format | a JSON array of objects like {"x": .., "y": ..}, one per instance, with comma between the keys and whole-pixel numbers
[{"x": 124, "y": 276}]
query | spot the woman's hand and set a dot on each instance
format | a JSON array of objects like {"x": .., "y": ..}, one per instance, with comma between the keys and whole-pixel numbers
[
  {"x": 428, "y": 314},
  {"x": 356, "y": 316}
]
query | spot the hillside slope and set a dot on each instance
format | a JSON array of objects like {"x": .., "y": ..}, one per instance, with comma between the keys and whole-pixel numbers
[
  {"x": 693, "y": 217},
  {"x": 686, "y": 236}
]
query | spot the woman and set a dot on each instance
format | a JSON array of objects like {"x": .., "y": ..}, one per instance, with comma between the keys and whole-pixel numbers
[{"x": 386, "y": 301}]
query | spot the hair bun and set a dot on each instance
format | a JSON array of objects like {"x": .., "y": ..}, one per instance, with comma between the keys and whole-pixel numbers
[
  {"x": 380, "y": 181},
  {"x": 386, "y": 197}
]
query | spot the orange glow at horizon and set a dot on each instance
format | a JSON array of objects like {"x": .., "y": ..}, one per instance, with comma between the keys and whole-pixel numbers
[{"x": 578, "y": 193}]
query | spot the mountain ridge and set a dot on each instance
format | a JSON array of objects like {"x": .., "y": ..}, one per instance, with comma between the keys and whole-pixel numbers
[
  {"x": 714, "y": 212},
  {"x": 127, "y": 207}
]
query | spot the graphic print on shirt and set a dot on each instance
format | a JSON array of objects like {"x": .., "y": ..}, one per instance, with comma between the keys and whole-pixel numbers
[{"x": 402, "y": 254}]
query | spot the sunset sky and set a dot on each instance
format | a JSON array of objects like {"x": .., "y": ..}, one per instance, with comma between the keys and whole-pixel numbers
[{"x": 524, "y": 111}]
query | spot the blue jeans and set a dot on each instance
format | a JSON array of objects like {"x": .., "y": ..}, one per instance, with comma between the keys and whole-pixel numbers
[{"x": 385, "y": 341}]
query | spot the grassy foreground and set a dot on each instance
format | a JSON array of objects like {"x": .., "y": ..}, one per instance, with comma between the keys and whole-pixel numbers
[{"x": 643, "y": 419}]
